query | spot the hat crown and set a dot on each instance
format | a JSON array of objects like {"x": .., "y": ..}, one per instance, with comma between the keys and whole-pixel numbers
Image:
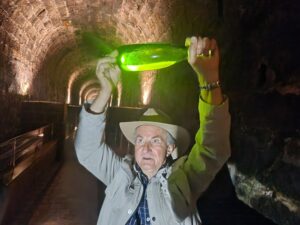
[
  {"x": 155, "y": 115},
  {"x": 150, "y": 112}
]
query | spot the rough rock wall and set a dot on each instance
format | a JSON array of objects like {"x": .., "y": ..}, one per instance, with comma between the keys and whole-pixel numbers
[{"x": 265, "y": 89}]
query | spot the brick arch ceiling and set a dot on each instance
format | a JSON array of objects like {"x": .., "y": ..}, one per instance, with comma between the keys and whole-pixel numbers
[
  {"x": 86, "y": 86},
  {"x": 33, "y": 31}
]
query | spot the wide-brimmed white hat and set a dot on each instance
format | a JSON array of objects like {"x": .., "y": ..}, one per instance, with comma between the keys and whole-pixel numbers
[{"x": 157, "y": 118}]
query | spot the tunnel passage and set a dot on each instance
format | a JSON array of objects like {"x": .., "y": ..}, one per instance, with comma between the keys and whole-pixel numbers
[{"x": 45, "y": 56}]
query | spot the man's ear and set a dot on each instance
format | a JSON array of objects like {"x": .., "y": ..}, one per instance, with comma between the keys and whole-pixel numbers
[{"x": 170, "y": 149}]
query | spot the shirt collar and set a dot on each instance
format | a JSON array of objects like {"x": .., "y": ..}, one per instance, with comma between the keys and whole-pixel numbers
[
  {"x": 143, "y": 177},
  {"x": 161, "y": 172}
]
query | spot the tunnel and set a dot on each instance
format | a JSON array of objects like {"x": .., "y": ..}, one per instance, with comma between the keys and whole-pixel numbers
[{"x": 48, "y": 55}]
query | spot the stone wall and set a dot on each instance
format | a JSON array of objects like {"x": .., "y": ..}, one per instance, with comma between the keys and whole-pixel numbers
[{"x": 9, "y": 114}]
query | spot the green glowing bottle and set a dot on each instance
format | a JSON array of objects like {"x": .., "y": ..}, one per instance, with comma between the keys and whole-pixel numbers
[{"x": 150, "y": 56}]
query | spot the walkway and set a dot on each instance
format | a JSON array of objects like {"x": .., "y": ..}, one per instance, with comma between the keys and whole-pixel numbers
[{"x": 72, "y": 198}]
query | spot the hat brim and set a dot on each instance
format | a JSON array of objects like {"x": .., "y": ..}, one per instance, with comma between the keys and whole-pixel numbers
[{"x": 180, "y": 134}]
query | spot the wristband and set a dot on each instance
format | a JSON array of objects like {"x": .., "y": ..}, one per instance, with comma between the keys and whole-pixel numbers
[
  {"x": 211, "y": 86},
  {"x": 88, "y": 109}
]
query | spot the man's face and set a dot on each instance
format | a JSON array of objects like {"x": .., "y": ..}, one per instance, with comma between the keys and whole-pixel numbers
[{"x": 150, "y": 148}]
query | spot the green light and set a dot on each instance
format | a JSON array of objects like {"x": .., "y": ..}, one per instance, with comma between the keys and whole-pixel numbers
[
  {"x": 94, "y": 45},
  {"x": 122, "y": 59},
  {"x": 149, "y": 66}
]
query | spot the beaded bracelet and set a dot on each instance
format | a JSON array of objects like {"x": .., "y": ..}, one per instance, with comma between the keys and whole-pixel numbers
[{"x": 210, "y": 86}]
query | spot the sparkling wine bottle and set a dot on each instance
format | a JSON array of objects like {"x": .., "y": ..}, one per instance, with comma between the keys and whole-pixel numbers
[{"x": 150, "y": 56}]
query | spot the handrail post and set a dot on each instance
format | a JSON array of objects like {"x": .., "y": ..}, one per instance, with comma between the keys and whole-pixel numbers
[
  {"x": 52, "y": 130},
  {"x": 14, "y": 153}
]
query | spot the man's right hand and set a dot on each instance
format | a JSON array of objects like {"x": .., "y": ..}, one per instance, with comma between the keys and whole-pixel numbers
[{"x": 108, "y": 74}]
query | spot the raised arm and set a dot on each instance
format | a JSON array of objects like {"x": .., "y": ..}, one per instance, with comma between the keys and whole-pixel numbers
[
  {"x": 91, "y": 149},
  {"x": 108, "y": 74},
  {"x": 212, "y": 147}
]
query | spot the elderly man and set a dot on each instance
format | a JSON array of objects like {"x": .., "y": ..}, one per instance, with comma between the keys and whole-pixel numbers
[{"x": 157, "y": 186}]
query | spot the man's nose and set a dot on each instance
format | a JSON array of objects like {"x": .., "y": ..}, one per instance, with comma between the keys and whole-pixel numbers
[{"x": 147, "y": 146}]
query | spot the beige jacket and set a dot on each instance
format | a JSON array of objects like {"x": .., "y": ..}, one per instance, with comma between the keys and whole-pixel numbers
[{"x": 171, "y": 197}]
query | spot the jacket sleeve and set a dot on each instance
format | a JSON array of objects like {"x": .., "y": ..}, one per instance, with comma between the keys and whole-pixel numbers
[
  {"x": 211, "y": 149},
  {"x": 91, "y": 150}
]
